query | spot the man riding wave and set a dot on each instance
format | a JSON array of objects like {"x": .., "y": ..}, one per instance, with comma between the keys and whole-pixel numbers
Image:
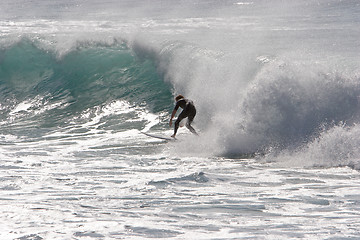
[{"x": 189, "y": 111}]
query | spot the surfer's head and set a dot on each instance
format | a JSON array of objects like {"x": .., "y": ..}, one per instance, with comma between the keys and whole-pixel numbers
[{"x": 178, "y": 97}]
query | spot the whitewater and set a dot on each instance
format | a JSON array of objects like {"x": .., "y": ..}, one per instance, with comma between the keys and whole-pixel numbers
[{"x": 276, "y": 85}]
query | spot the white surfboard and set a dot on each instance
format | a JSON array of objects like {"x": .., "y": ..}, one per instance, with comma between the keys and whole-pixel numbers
[{"x": 159, "y": 137}]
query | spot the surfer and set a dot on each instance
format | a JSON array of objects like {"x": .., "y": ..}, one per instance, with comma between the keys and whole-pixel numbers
[{"x": 189, "y": 111}]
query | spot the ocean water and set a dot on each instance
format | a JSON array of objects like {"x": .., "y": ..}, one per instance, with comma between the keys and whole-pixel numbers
[{"x": 277, "y": 90}]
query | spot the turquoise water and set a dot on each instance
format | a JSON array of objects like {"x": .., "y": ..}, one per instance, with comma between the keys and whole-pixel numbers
[{"x": 85, "y": 78}]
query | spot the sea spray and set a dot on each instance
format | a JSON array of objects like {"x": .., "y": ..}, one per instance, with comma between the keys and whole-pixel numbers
[
  {"x": 288, "y": 102},
  {"x": 336, "y": 146},
  {"x": 283, "y": 104}
]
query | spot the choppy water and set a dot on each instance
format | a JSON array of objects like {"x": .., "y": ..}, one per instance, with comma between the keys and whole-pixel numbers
[{"x": 277, "y": 90}]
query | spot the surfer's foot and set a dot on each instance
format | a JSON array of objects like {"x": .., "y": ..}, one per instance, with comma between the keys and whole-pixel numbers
[{"x": 173, "y": 136}]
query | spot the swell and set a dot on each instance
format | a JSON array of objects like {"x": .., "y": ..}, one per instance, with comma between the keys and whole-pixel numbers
[{"x": 90, "y": 75}]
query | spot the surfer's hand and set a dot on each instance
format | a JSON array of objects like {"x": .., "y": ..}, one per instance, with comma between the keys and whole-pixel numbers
[{"x": 170, "y": 123}]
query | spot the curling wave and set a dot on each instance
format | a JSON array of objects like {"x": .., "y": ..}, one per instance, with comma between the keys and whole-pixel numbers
[{"x": 34, "y": 80}]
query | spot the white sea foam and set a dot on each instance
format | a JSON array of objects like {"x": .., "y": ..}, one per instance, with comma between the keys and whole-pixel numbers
[{"x": 278, "y": 79}]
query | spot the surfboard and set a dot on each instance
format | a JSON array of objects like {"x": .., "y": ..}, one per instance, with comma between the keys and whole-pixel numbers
[{"x": 159, "y": 137}]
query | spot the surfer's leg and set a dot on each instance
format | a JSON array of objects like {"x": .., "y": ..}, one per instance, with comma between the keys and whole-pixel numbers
[
  {"x": 190, "y": 120},
  {"x": 191, "y": 128},
  {"x": 176, "y": 127},
  {"x": 188, "y": 125},
  {"x": 177, "y": 122}
]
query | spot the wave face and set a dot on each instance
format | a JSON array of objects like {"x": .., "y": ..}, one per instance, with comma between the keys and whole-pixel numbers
[{"x": 46, "y": 90}]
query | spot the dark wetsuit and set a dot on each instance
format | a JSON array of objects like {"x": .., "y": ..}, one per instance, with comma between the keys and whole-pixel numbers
[{"x": 189, "y": 111}]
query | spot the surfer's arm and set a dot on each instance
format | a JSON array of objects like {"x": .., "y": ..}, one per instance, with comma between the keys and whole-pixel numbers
[
  {"x": 174, "y": 112},
  {"x": 172, "y": 116}
]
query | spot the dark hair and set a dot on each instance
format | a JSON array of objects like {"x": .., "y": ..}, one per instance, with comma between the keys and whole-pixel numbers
[{"x": 178, "y": 97}]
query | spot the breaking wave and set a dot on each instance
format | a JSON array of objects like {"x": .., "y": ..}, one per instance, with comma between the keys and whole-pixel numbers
[{"x": 281, "y": 107}]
